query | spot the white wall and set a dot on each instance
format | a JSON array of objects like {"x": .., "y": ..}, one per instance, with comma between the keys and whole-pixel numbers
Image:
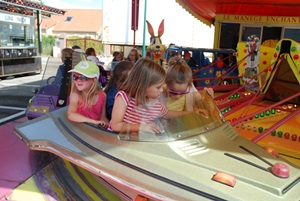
[{"x": 181, "y": 28}]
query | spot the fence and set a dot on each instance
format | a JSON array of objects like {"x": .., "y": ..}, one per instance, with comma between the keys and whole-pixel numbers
[{"x": 85, "y": 43}]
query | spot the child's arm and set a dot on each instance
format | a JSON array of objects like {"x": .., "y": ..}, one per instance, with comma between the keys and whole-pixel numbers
[
  {"x": 210, "y": 91},
  {"x": 173, "y": 114},
  {"x": 189, "y": 101},
  {"x": 118, "y": 125},
  {"x": 118, "y": 113},
  {"x": 117, "y": 117},
  {"x": 72, "y": 111},
  {"x": 103, "y": 115},
  {"x": 198, "y": 99}
]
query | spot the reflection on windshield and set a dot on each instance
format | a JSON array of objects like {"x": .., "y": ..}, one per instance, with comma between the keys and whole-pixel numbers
[{"x": 193, "y": 123}]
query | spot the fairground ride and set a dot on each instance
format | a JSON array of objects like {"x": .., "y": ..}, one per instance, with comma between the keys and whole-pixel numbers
[{"x": 265, "y": 108}]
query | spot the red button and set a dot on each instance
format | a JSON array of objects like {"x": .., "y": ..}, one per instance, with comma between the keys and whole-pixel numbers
[{"x": 224, "y": 178}]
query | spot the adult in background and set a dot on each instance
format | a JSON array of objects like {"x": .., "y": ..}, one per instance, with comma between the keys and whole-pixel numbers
[{"x": 189, "y": 60}]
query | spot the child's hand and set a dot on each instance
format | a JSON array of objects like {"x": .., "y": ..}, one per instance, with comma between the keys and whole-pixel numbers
[
  {"x": 150, "y": 127},
  {"x": 210, "y": 91},
  {"x": 102, "y": 124},
  {"x": 203, "y": 112}
]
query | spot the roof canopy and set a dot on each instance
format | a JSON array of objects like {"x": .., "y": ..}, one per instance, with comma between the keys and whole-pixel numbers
[
  {"x": 206, "y": 10},
  {"x": 28, "y": 8}
]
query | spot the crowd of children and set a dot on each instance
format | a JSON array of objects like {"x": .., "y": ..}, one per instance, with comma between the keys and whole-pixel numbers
[{"x": 137, "y": 94}]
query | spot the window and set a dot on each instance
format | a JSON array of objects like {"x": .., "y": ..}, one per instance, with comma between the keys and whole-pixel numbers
[
  {"x": 68, "y": 19},
  {"x": 271, "y": 33},
  {"x": 16, "y": 35},
  {"x": 293, "y": 34},
  {"x": 229, "y": 35},
  {"x": 248, "y": 31}
]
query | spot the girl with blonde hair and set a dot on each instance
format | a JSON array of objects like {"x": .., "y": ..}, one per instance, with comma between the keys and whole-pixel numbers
[
  {"x": 137, "y": 104},
  {"x": 87, "y": 100},
  {"x": 180, "y": 92}
]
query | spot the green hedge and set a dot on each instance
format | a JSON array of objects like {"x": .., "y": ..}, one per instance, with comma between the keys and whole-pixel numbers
[
  {"x": 47, "y": 45},
  {"x": 48, "y": 41},
  {"x": 85, "y": 43}
]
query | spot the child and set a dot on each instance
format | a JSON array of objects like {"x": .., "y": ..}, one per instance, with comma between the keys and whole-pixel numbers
[
  {"x": 66, "y": 52},
  {"x": 87, "y": 100},
  {"x": 118, "y": 56},
  {"x": 137, "y": 104},
  {"x": 133, "y": 55},
  {"x": 118, "y": 76},
  {"x": 91, "y": 56},
  {"x": 76, "y": 47},
  {"x": 180, "y": 91}
]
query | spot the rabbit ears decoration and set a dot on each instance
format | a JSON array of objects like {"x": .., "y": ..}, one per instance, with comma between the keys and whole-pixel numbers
[{"x": 160, "y": 29}]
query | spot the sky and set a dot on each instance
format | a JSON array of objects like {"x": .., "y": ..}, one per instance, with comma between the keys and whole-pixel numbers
[
  {"x": 74, "y": 4},
  {"x": 169, "y": 10}
]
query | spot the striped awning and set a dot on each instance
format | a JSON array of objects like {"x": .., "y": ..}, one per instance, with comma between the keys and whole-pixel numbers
[
  {"x": 206, "y": 10},
  {"x": 28, "y": 8}
]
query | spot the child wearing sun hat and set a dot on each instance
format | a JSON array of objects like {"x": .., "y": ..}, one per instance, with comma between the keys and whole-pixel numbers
[
  {"x": 86, "y": 68},
  {"x": 87, "y": 100}
]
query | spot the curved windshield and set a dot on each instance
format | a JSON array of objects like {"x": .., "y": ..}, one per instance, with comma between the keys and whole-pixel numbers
[{"x": 205, "y": 117}]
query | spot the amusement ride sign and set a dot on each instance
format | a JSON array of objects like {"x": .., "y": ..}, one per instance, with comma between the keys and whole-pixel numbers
[{"x": 260, "y": 19}]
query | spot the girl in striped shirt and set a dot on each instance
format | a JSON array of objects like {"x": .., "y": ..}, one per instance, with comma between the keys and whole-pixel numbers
[{"x": 137, "y": 104}]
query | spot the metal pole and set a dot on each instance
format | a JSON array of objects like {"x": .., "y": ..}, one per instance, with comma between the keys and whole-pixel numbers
[
  {"x": 133, "y": 38},
  {"x": 38, "y": 21},
  {"x": 144, "y": 36}
]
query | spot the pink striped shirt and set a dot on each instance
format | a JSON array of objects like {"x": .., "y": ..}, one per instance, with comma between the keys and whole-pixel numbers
[{"x": 138, "y": 114}]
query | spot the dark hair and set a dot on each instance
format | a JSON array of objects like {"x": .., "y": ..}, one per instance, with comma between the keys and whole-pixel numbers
[
  {"x": 89, "y": 51},
  {"x": 74, "y": 47},
  {"x": 115, "y": 54},
  {"x": 119, "y": 74}
]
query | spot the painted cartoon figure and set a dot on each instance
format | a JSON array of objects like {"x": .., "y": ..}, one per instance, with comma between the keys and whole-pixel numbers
[
  {"x": 251, "y": 68},
  {"x": 156, "y": 48}
]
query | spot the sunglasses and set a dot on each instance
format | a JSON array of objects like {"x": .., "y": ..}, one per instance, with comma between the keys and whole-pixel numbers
[
  {"x": 178, "y": 92},
  {"x": 81, "y": 77}
]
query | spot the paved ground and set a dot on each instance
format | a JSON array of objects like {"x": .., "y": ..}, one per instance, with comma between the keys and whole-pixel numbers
[
  {"x": 27, "y": 175},
  {"x": 15, "y": 92}
]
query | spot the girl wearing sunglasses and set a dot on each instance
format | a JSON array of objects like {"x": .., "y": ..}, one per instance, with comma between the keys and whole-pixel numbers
[
  {"x": 180, "y": 91},
  {"x": 87, "y": 100}
]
